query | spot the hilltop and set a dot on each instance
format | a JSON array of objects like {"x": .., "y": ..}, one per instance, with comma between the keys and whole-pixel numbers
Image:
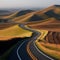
[
  {"x": 30, "y": 15},
  {"x": 52, "y": 11}
]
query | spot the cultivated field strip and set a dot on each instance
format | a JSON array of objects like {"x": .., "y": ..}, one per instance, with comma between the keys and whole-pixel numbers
[{"x": 53, "y": 37}]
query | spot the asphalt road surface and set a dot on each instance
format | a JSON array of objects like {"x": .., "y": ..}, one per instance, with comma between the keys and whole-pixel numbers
[{"x": 20, "y": 52}]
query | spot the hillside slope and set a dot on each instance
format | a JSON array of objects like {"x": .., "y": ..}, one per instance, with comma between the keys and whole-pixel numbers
[
  {"x": 50, "y": 24},
  {"x": 30, "y": 15},
  {"x": 13, "y": 31}
]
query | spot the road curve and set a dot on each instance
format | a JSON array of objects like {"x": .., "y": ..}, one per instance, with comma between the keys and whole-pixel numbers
[
  {"x": 20, "y": 51},
  {"x": 35, "y": 51},
  {"x": 39, "y": 55}
]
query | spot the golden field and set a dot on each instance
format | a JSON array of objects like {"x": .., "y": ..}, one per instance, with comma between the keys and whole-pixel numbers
[{"x": 14, "y": 31}]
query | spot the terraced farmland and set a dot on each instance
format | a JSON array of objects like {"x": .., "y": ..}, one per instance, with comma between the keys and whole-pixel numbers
[{"x": 53, "y": 37}]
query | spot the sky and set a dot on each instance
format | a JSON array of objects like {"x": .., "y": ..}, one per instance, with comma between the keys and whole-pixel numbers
[{"x": 27, "y": 3}]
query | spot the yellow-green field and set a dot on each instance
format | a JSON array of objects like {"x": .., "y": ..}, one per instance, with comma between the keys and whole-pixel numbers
[{"x": 14, "y": 31}]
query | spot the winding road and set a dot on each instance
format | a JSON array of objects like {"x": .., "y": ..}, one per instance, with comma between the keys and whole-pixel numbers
[{"x": 20, "y": 51}]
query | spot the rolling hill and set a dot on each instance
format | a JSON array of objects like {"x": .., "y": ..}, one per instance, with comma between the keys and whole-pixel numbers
[
  {"x": 30, "y": 15},
  {"x": 4, "y": 12},
  {"x": 13, "y": 31},
  {"x": 52, "y": 11},
  {"x": 23, "y": 18},
  {"x": 14, "y": 15},
  {"x": 50, "y": 24},
  {"x": 23, "y": 12}
]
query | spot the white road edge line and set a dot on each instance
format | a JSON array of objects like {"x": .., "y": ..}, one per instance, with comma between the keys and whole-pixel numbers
[
  {"x": 42, "y": 52},
  {"x": 18, "y": 51}
]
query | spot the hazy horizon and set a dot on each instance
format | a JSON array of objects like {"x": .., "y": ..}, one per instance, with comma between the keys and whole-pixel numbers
[{"x": 27, "y": 3}]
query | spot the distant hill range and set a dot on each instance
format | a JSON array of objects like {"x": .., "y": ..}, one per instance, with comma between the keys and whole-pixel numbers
[
  {"x": 4, "y": 12},
  {"x": 30, "y": 15},
  {"x": 23, "y": 12},
  {"x": 50, "y": 12}
]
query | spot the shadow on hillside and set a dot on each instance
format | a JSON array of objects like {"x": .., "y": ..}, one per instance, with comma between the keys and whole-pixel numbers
[{"x": 6, "y": 45}]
